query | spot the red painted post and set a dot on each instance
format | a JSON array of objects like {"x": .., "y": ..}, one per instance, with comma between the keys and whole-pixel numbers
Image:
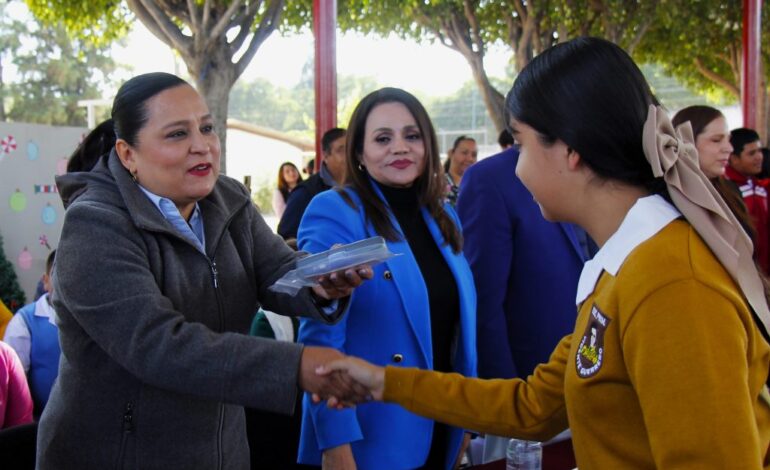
[
  {"x": 751, "y": 64},
  {"x": 325, "y": 32}
]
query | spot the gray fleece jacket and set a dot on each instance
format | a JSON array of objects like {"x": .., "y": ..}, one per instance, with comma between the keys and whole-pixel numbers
[{"x": 155, "y": 366}]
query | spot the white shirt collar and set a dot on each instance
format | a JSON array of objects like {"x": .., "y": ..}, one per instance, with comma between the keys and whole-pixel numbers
[
  {"x": 44, "y": 309},
  {"x": 645, "y": 218}
]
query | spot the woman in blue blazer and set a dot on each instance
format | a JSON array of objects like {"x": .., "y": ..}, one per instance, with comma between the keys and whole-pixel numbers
[{"x": 419, "y": 309}]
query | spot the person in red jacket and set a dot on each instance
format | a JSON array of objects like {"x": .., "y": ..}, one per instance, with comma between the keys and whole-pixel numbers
[{"x": 744, "y": 166}]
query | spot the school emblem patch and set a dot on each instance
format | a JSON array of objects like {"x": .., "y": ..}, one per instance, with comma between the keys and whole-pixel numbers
[{"x": 590, "y": 353}]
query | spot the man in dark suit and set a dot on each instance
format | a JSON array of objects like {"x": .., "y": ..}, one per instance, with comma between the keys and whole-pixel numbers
[
  {"x": 331, "y": 174},
  {"x": 526, "y": 269}
]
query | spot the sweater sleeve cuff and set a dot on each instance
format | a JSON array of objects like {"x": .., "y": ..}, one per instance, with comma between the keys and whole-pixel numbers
[{"x": 399, "y": 385}]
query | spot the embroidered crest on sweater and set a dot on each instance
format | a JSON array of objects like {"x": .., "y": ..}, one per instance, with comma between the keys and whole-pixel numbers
[{"x": 590, "y": 352}]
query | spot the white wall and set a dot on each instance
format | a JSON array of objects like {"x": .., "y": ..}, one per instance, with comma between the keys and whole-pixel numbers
[{"x": 30, "y": 209}]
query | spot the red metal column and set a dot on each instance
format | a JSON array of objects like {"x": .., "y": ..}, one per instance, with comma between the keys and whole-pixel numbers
[
  {"x": 325, "y": 31},
  {"x": 752, "y": 20}
]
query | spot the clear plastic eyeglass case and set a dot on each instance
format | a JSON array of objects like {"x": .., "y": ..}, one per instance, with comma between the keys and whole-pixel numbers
[{"x": 371, "y": 251}]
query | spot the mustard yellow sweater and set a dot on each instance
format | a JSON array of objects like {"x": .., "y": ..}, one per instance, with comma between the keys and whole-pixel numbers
[{"x": 665, "y": 369}]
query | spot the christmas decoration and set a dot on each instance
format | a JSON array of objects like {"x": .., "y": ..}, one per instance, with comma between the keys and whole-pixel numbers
[
  {"x": 32, "y": 150},
  {"x": 18, "y": 201},
  {"x": 8, "y": 144},
  {"x": 10, "y": 291},
  {"x": 25, "y": 259}
]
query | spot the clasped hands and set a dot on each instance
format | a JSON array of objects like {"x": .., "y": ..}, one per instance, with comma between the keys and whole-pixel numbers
[{"x": 343, "y": 381}]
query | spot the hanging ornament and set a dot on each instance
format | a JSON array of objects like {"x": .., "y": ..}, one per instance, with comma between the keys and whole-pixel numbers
[
  {"x": 61, "y": 166},
  {"x": 18, "y": 201},
  {"x": 32, "y": 150},
  {"x": 44, "y": 241},
  {"x": 46, "y": 188},
  {"x": 49, "y": 214},
  {"x": 25, "y": 259},
  {"x": 8, "y": 144}
]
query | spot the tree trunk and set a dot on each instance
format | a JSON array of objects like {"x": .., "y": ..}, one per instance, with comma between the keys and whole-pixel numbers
[
  {"x": 493, "y": 99},
  {"x": 214, "y": 79}
]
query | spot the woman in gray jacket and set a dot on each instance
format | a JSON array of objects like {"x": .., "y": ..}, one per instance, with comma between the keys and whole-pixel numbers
[{"x": 160, "y": 268}]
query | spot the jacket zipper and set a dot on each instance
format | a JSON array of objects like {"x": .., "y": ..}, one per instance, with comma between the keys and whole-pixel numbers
[
  {"x": 128, "y": 428},
  {"x": 215, "y": 281},
  {"x": 219, "y": 436}
]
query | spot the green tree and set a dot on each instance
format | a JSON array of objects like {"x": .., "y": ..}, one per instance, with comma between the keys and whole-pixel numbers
[
  {"x": 10, "y": 292},
  {"x": 527, "y": 27},
  {"x": 700, "y": 43},
  {"x": 54, "y": 72},
  {"x": 216, "y": 39},
  {"x": 9, "y": 44}
]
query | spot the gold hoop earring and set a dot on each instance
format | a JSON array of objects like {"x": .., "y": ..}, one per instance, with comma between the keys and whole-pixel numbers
[{"x": 133, "y": 176}]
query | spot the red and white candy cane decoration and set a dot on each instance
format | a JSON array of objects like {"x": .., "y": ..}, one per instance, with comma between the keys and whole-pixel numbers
[{"x": 8, "y": 144}]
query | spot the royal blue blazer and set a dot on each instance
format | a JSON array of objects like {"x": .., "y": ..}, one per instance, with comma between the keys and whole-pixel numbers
[
  {"x": 526, "y": 269},
  {"x": 387, "y": 323}
]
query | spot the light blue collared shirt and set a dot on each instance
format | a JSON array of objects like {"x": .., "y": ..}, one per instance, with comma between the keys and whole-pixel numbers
[{"x": 192, "y": 231}]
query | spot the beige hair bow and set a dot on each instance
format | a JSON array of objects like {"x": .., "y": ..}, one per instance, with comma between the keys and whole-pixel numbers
[{"x": 672, "y": 155}]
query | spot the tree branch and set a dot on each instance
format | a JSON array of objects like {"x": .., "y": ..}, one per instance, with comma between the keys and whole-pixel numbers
[
  {"x": 161, "y": 26},
  {"x": 245, "y": 22},
  {"x": 716, "y": 78},
  {"x": 224, "y": 21},
  {"x": 206, "y": 15},
  {"x": 469, "y": 9},
  {"x": 267, "y": 25},
  {"x": 193, "y": 12}
]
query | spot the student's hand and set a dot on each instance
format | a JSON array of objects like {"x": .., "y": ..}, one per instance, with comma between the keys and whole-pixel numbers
[
  {"x": 341, "y": 283},
  {"x": 366, "y": 375},
  {"x": 338, "y": 458},
  {"x": 335, "y": 384}
]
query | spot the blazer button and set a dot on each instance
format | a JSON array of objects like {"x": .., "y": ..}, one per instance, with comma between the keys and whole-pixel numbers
[
  {"x": 387, "y": 275},
  {"x": 398, "y": 358}
]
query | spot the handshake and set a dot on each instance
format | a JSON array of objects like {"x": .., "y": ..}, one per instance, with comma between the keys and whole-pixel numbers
[{"x": 342, "y": 381}]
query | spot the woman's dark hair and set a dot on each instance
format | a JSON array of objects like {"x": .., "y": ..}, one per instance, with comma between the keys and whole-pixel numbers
[
  {"x": 96, "y": 144},
  {"x": 129, "y": 114},
  {"x": 589, "y": 94},
  {"x": 128, "y": 109},
  {"x": 699, "y": 117},
  {"x": 448, "y": 161},
  {"x": 429, "y": 185},
  {"x": 283, "y": 186}
]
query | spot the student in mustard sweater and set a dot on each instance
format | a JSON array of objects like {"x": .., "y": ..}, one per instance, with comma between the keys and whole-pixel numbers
[{"x": 667, "y": 365}]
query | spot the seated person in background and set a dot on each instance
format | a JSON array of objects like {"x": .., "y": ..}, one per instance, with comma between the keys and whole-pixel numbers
[
  {"x": 505, "y": 139},
  {"x": 288, "y": 179},
  {"x": 460, "y": 157},
  {"x": 15, "y": 399},
  {"x": 331, "y": 174},
  {"x": 33, "y": 334},
  {"x": 744, "y": 165}
]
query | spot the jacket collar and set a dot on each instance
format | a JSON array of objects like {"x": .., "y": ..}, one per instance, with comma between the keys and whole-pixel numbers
[
  {"x": 648, "y": 216},
  {"x": 733, "y": 175}
]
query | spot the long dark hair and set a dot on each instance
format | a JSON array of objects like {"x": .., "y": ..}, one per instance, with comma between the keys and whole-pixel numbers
[
  {"x": 700, "y": 116},
  {"x": 283, "y": 186},
  {"x": 589, "y": 94},
  {"x": 94, "y": 146},
  {"x": 457, "y": 142},
  {"x": 129, "y": 115},
  {"x": 429, "y": 185}
]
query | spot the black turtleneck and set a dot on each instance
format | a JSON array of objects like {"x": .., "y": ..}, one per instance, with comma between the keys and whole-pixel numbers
[{"x": 443, "y": 297}]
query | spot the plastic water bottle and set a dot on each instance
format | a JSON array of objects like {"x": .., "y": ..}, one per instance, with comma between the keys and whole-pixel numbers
[{"x": 523, "y": 455}]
